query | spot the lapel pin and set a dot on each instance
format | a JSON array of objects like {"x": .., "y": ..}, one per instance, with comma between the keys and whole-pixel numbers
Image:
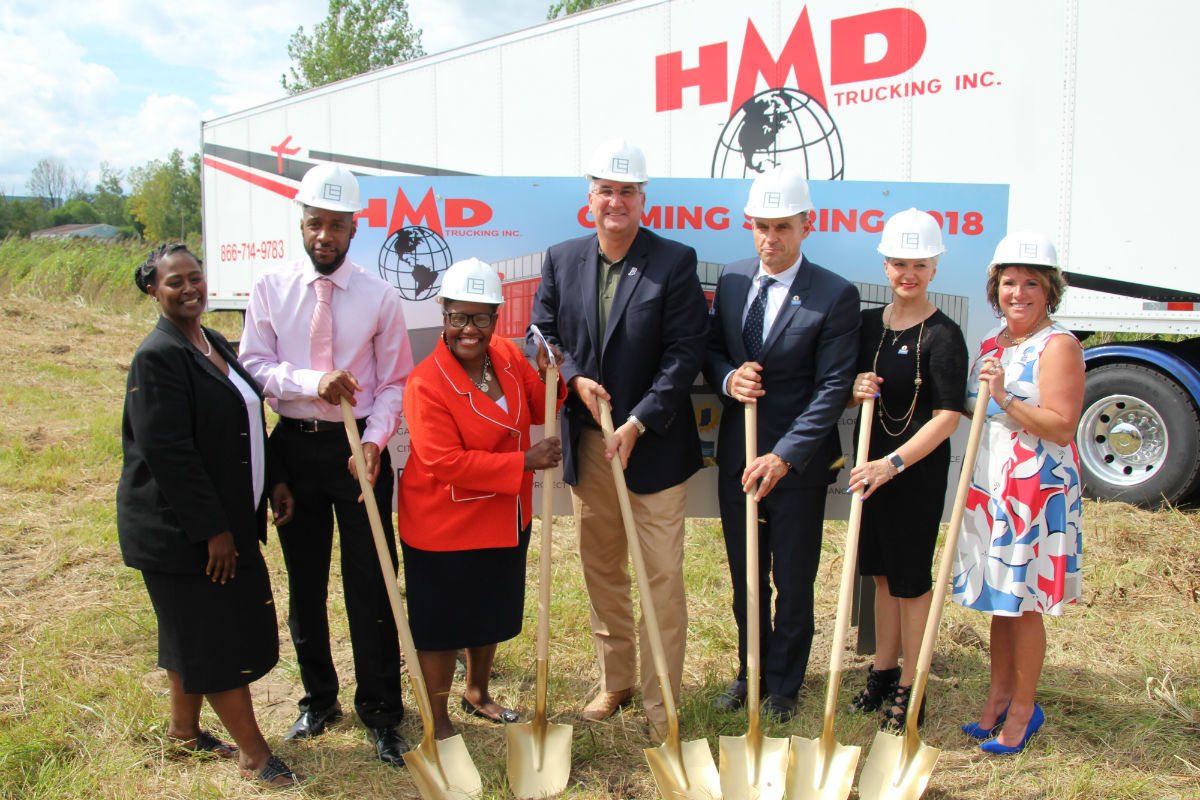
[
  {"x": 632, "y": 271},
  {"x": 903, "y": 350},
  {"x": 795, "y": 299}
]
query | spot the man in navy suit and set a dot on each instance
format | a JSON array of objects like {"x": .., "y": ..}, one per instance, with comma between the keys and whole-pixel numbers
[
  {"x": 627, "y": 309},
  {"x": 784, "y": 336}
]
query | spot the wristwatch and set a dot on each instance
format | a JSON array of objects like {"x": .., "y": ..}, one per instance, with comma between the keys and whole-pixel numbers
[
  {"x": 896, "y": 461},
  {"x": 637, "y": 423},
  {"x": 1007, "y": 401}
]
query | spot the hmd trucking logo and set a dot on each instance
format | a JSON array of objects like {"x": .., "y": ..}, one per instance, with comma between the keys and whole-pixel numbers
[{"x": 790, "y": 123}]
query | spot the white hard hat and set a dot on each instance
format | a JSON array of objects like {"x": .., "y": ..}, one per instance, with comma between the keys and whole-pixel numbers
[
  {"x": 618, "y": 160},
  {"x": 1025, "y": 247},
  {"x": 782, "y": 192},
  {"x": 329, "y": 186},
  {"x": 472, "y": 281},
  {"x": 911, "y": 234}
]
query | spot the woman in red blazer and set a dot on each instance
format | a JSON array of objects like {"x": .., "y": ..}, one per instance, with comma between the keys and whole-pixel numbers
[{"x": 465, "y": 497}]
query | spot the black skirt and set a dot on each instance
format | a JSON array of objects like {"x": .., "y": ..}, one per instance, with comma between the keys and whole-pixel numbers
[
  {"x": 217, "y": 637},
  {"x": 465, "y": 598}
]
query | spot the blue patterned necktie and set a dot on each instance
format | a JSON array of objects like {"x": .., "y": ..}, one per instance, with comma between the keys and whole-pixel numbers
[{"x": 752, "y": 332}]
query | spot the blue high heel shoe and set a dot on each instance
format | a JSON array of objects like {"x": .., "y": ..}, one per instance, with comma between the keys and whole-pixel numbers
[
  {"x": 977, "y": 731},
  {"x": 1035, "y": 722}
]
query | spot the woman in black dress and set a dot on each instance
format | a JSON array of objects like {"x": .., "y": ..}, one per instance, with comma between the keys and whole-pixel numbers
[
  {"x": 913, "y": 360},
  {"x": 191, "y": 509}
]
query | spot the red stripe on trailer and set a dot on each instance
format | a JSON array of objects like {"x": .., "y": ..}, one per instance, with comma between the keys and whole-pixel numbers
[
  {"x": 1181, "y": 306},
  {"x": 258, "y": 180}
]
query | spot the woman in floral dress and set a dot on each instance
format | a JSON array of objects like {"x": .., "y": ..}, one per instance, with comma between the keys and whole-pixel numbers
[{"x": 1019, "y": 549}]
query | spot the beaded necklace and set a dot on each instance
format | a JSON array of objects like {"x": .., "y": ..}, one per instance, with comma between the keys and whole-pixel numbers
[
  {"x": 486, "y": 378},
  {"x": 881, "y": 410}
]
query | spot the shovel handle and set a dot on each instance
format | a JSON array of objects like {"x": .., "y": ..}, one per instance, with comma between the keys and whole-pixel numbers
[
  {"x": 849, "y": 573},
  {"x": 639, "y": 567},
  {"x": 543, "y": 624},
  {"x": 389, "y": 576},
  {"x": 934, "y": 620},
  {"x": 753, "y": 634}
]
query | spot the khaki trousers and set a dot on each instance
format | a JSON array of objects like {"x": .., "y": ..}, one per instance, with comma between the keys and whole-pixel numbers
[{"x": 604, "y": 554}]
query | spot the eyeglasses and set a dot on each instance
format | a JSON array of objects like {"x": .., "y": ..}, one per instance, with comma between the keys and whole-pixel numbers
[
  {"x": 608, "y": 192},
  {"x": 459, "y": 319}
]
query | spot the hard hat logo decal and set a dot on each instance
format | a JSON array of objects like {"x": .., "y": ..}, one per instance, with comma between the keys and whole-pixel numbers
[
  {"x": 772, "y": 199},
  {"x": 1029, "y": 249},
  {"x": 910, "y": 241},
  {"x": 332, "y": 191},
  {"x": 475, "y": 286},
  {"x": 620, "y": 165}
]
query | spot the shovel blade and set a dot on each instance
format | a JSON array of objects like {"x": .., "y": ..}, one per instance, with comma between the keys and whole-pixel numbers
[
  {"x": 695, "y": 777},
  {"x": 753, "y": 773},
  {"x": 889, "y": 775},
  {"x": 814, "y": 774},
  {"x": 538, "y": 768},
  {"x": 445, "y": 771}
]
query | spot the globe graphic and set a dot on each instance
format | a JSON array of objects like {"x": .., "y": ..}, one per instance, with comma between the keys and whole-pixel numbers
[
  {"x": 413, "y": 260},
  {"x": 779, "y": 127}
]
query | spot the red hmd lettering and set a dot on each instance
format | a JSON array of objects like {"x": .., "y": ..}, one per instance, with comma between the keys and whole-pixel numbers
[
  {"x": 670, "y": 78},
  {"x": 901, "y": 28},
  {"x": 799, "y": 55},
  {"x": 426, "y": 213},
  {"x": 464, "y": 213}
]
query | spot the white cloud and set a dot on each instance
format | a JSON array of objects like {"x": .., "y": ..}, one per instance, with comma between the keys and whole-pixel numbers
[
  {"x": 446, "y": 24},
  {"x": 188, "y": 61}
]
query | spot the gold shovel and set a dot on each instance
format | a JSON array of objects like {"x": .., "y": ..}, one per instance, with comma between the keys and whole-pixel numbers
[
  {"x": 753, "y": 766},
  {"x": 899, "y": 767},
  {"x": 680, "y": 769},
  {"x": 442, "y": 770},
  {"x": 539, "y": 753},
  {"x": 822, "y": 769}
]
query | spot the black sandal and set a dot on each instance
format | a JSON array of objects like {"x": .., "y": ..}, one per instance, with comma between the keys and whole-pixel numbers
[
  {"x": 275, "y": 773},
  {"x": 897, "y": 712},
  {"x": 880, "y": 683},
  {"x": 205, "y": 744}
]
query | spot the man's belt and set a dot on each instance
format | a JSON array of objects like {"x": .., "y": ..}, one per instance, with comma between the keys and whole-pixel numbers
[{"x": 318, "y": 425}]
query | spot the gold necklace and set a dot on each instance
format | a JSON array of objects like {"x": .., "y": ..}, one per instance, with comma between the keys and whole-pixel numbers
[
  {"x": 1022, "y": 339},
  {"x": 880, "y": 410}
]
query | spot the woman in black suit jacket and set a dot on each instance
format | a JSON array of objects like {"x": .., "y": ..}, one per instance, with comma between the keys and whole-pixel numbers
[{"x": 191, "y": 512}]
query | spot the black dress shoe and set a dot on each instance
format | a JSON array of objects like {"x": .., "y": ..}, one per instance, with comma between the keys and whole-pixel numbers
[
  {"x": 312, "y": 723},
  {"x": 389, "y": 745},
  {"x": 779, "y": 708},
  {"x": 733, "y": 698}
]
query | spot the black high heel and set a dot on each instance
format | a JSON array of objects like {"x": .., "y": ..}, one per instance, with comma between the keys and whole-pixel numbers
[
  {"x": 897, "y": 712},
  {"x": 880, "y": 683}
]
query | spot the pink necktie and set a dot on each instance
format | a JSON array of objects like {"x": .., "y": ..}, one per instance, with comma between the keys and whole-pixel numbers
[{"x": 321, "y": 331}]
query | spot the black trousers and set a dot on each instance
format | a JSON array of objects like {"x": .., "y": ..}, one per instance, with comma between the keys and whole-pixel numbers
[
  {"x": 789, "y": 549},
  {"x": 322, "y": 487}
]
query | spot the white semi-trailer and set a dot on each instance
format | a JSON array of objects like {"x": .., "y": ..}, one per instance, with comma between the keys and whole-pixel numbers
[{"x": 1080, "y": 108}]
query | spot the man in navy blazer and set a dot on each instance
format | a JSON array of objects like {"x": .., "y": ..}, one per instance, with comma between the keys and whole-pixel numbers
[
  {"x": 784, "y": 336},
  {"x": 626, "y": 308}
]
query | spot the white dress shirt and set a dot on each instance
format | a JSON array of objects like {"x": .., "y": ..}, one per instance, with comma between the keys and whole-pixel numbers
[
  {"x": 777, "y": 295},
  {"x": 258, "y": 461},
  {"x": 370, "y": 340}
]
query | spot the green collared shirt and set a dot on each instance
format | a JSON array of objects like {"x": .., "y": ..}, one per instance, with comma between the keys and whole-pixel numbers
[{"x": 609, "y": 276}]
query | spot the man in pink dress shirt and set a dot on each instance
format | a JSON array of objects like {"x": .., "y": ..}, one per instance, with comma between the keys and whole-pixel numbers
[{"x": 317, "y": 330}]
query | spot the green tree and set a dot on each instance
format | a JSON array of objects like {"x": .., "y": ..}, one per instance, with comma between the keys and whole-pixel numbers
[
  {"x": 26, "y": 216},
  {"x": 564, "y": 8},
  {"x": 356, "y": 37},
  {"x": 164, "y": 197},
  {"x": 52, "y": 181},
  {"x": 109, "y": 198},
  {"x": 73, "y": 211}
]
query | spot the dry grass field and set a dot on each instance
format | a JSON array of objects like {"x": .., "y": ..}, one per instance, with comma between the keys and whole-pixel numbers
[{"x": 83, "y": 707}]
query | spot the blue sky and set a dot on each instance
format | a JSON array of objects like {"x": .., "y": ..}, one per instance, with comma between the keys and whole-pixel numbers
[{"x": 125, "y": 81}]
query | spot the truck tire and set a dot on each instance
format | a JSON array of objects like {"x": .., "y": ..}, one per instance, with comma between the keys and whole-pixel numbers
[{"x": 1138, "y": 438}]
